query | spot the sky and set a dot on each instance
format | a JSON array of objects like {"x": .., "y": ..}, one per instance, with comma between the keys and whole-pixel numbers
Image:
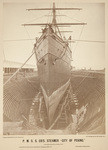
[{"x": 84, "y": 54}]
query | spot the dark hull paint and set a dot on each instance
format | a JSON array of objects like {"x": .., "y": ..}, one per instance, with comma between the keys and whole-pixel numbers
[
  {"x": 53, "y": 74},
  {"x": 54, "y": 62}
]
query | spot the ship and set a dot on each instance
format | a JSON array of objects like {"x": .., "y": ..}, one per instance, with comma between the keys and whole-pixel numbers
[
  {"x": 58, "y": 100},
  {"x": 54, "y": 57}
]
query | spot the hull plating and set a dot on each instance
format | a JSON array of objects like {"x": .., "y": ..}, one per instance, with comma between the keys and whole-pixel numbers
[{"x": 54, "y": 60}]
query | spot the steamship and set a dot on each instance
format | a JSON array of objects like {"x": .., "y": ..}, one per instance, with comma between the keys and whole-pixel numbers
[
  {"x": 54, "y": 105},
  {"x": 53, "y": 56}
]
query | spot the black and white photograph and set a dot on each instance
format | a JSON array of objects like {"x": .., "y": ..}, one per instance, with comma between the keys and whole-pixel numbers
[{"x": 54, "y": 68}]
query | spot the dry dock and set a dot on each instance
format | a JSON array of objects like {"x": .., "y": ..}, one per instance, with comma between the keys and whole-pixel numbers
[{"x": 88, "y": 87}]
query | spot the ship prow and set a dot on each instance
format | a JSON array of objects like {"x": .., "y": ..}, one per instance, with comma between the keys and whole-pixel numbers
[{"x": 54, "y": 58}]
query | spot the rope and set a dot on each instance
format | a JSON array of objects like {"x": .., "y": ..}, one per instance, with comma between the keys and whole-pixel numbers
[
  {"x": 73, "y": 18},
  {"x": 57, "y": 26},
  {"x": 82, "y": 80},
  {"x": 35, "y": 19},
  {"x": 17, "y": 40},
  {"x": 49, "y": 18},
  {"x": 78, "y": 40},
  {"x": 62, "y": 33},
  {"x": 28, "y": 34},
  {"x": 89, "y": 41}
]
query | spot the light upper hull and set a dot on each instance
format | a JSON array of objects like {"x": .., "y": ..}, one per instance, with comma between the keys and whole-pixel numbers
[{"x": 54, "y": 62}]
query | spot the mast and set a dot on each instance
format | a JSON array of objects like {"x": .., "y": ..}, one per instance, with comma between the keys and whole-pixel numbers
[
  {"x": 61, "y": 24},
  {"x": 54, "y": 23},
  {"x": 54, "y": 15},
  {"x": 54, "y": 18}
]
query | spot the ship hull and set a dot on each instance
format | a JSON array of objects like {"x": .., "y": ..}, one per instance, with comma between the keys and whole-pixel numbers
[
  {"x": 53, "y": 76},
  {"x": 54, "y": 63}
]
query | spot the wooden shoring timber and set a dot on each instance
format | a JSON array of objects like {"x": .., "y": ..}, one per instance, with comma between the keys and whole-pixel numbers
[
  {"x": 71, "y": 93},
  {"x": 66, "y": 110},
  {"x": 41, "y": 111},
  {"x": 32, "y": 111},
  {"x": 62, "y": 107}
]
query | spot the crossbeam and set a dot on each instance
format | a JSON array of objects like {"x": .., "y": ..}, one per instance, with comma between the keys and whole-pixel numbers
[
  {"x": 55, "y": 9},
  {"x": 56, "y": 15},
  {"x": 39, "y": 24},
  {"x": 66, "y": 31},
  {"x": 60, "y": 31},
  {"x": 58, "y": 26}
]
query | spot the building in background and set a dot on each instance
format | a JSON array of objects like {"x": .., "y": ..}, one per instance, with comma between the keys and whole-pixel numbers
[{"x": 11, "y": 67}]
